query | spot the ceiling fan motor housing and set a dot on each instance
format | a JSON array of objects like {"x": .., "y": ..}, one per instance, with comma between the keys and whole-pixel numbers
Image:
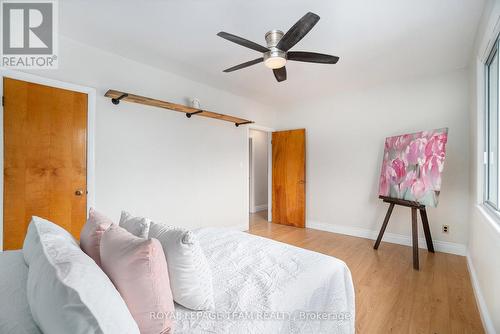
[
  {"x": 273, "y": 37},
  {"x": 274, "y": 58}
]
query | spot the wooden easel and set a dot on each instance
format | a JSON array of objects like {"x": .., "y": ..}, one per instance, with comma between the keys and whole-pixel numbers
[{"x": 425, "y": 222}]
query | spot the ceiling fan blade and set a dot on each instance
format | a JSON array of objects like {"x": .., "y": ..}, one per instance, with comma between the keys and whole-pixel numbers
[
  {"x": 243, "y": 42},
  {"x": 312, "y": 57},
  {"x": 298, "y": 31},
  {"x": 243, "y": 65},
  {"x": 280, "y": 73}
]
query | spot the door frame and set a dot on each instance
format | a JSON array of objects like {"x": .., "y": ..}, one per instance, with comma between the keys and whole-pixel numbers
[
  {"x": 269, "y": 168},
  {"x": 251, "y": 188},
  {"x": 91, "y": 107}
]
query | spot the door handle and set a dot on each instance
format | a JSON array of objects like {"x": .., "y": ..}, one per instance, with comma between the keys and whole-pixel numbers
[
  {"x": 302, "y": 182},
  {"x": 79, "y": 192}
]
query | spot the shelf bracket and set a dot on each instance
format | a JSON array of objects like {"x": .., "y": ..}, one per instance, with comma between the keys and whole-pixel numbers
[
  {"x": 116, "y": 101},
  {"x": 242, "y": 123},
  {"x": 189, "y": 114}
]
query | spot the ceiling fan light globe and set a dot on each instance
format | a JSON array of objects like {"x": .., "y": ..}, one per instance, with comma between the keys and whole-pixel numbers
[
  {"x": 275, "y": 62},
  {"x": 274, "y": 59}
]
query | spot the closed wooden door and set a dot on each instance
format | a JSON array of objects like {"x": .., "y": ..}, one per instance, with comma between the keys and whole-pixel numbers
[
  {"x": 289, "y": 177},
  {"x": 45, "y": 158}
]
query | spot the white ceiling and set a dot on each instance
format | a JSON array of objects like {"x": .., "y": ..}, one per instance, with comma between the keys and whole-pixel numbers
[{"x": 377, "y": 41}]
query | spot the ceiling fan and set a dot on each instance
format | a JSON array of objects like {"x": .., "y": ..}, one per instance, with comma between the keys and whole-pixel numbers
[{"x": 276, "y": 54}]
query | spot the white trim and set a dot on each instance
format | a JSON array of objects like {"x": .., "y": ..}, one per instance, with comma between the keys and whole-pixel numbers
[
  {"x": 440, "y": 246},
  {"x": 261, "y": 207},
  {"x": 258, "y": 208},
  {"x": 487, "y": 43},
  {"x": 492, "y": 217},
  {"x": 260, "y": 127},
  {"x": 481, "y": 303},
  {"x": 91, "y": 105},
  {"x": 480, "y": 105},
  {"x": 269, "y": 168},
  {"x": 251, "y": 175}
]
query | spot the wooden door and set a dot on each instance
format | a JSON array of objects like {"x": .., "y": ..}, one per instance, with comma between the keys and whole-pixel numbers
[
  {"x": 45, "y": 158},
  {"x": 289, "y": 177}
]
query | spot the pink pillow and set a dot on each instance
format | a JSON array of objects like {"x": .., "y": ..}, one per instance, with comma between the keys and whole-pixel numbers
[
  {"x": 90, "y": 236},
  {"x": 138, "y": 269}
]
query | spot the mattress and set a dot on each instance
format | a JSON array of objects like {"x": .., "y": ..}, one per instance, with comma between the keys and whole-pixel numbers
[
  {"x": 15, "y": 315},
  {"x": 264, "y": 286}
]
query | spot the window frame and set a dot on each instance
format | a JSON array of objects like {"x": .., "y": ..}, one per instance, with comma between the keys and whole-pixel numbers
[{"x": 494, "y": 51}]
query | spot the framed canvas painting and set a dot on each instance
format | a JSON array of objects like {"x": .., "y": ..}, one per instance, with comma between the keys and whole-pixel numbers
[{"x": 412, "y": 166}]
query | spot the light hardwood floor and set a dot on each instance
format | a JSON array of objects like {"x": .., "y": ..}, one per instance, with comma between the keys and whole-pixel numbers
[{"x": 391, "y": 297}]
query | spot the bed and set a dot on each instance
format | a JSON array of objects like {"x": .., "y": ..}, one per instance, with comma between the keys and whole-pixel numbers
[
  {"x": 260, "y": 285},
  {"x": 15, "y": 315}
]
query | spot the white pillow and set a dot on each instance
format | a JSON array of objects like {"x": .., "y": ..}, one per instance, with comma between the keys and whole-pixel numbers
[
  {"x": 188, "y": 269},
  {"x": 67, "y": 291},
  {"x": 138, "y": 226},
  {"x": 37, "y": 226}
]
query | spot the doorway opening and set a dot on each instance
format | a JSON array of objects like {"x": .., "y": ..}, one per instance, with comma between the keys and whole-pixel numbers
[{"x": 259, "y": 178}]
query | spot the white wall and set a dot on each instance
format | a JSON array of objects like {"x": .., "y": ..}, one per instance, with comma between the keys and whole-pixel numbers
[
  {"x": 484, "y": 229},
  {"x": 345, "y": 140},
  {"x": 156, "y": 162},
  {"x": 259, "y": 170}
]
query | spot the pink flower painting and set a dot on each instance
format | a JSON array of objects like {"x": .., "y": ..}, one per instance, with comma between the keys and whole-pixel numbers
[{"x": 412, "y": 166}]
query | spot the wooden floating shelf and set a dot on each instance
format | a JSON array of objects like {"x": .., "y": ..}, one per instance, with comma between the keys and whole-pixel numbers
[{"x": 117, "y": 96}]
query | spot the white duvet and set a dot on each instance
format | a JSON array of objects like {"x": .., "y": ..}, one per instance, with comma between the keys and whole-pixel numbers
[
  {"x": 261, "y": 286},
  {"x": 264, "y": 286}
]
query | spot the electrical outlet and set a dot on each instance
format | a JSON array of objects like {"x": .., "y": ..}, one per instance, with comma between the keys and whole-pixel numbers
[{"x": 446, "y": 228}]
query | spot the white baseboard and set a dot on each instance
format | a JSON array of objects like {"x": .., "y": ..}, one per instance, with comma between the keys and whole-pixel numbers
[
  {"x": 258, "y": 208},
  {"x": 481, "y": 303},
  {"x": 440, "y": 246}
]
